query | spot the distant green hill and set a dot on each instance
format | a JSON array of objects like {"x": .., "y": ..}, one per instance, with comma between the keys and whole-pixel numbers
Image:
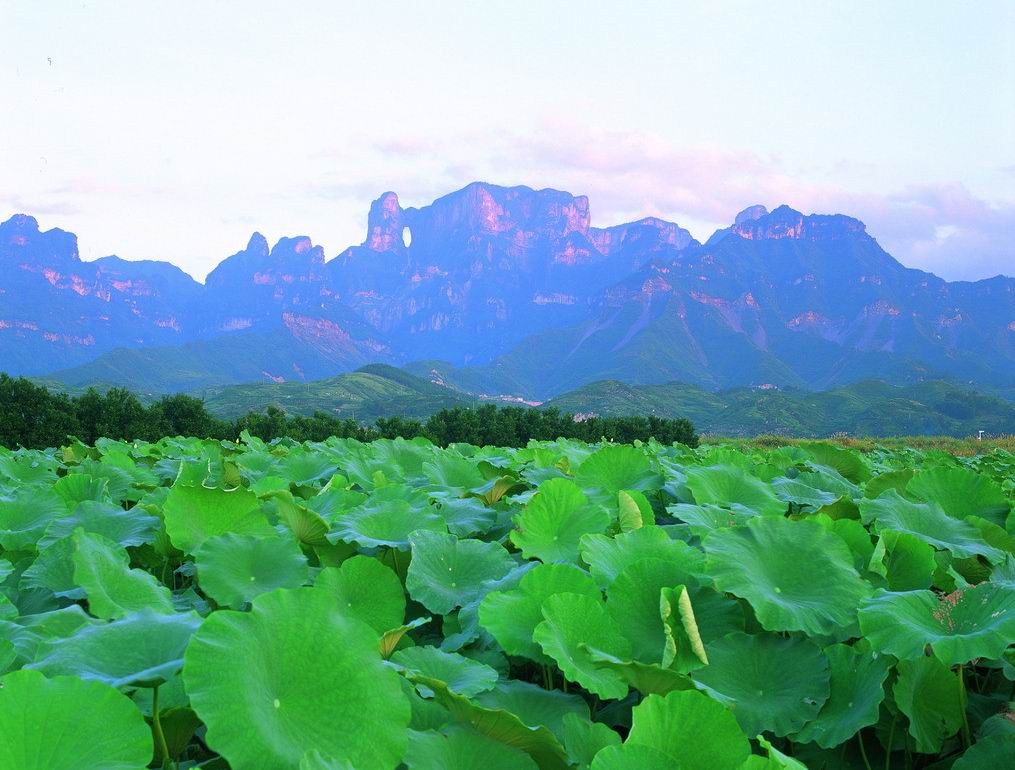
[
  {"x": 870, "y": 408},
  {"x": 377, "y": 390}
]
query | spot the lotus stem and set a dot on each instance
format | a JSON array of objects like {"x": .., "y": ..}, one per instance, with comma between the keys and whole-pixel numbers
[
  {"x": 891, "y": 741},
  {"x": 966, "y": 737},
  {"x": 863, "y": 751},
  {"x": 160, "y": 736}
]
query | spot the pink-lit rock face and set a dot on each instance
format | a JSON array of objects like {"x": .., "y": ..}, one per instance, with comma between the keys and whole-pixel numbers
[
  {"x": 809, "y": 318},
  {"x": 1011, "y": 326},
  {"x": 236, "y": 324},
  {"x": 883, "y": 307},
  {"x": 784, "y": 222},
  {"x": 276, "y": 378},
  {"x": 385, "y": 224},
  {"x": 554, "y": 299}
]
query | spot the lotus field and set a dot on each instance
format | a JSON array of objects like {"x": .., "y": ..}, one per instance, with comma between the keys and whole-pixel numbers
[{"x": 375, "y": 606}]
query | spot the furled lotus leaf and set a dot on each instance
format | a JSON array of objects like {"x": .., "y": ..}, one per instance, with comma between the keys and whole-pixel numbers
[
  {"x": 102, "y": 569},
  {"x": 463, "y": 749},
  {"x": 631, "y": 756},
  {"x": 796, "y": 575},
  {"x": 293, "y": 675},
  {"x": 778, "y": 684},
  {"x": 727, "y": 484},
  {"x": 857, "y": 690},
  {"x": 125, "y": 528},
  {"x": 233, "y": 569},
  {"x": 308, "y": 526},
  {"x": 552, "y": 524},
  {"x": 195, "y": 513},
  {"x": 635, "y": 511},
  {"x": 462, "y": 675},
  {"x": 391, "y": 638},
  {"x": 928, "y": 693},
  {"x": 694, "y": 731},
  {"x": 928, "y": 522},
  {"x": 684, "y": 649},
  {"x": 572, "y": 623},
  {"x": 961, "y": 492},
  {"x": 365, "y": 589},
  {"x": 66, "y": 723},
  {"x": 584, "y": 739},
  {"x": 969, "y": 623},
  {"x": 534, "y": 705},
  {"x": 512, "y": 616},
  {"x": 501, "y": 725},
  {"x": 446, "y": 572},
  {"x": 142, "y": 649},
  {"x": 608, "y": 556},
  {"x": 646, "y": 678}
]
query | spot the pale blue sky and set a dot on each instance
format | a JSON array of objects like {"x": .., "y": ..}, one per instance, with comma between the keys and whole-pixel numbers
[{"x": 173, "y": 130}]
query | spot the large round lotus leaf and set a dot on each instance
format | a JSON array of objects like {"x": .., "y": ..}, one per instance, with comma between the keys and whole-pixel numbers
[
  {"x": 799, "y": 492},
  {"x": 572, "y": 623},
  {"x": 844, "y": 462},
  {"x": 125, "y": 528},
  {"x": 534, "y": 705},
  {"x": 554, "y": 521},
  {"x": 69, "y": 724},
  {"x": 632, "y": 756},
  {"x": 145, "y": 648},
  {"x": 308, "y": 526},
  {"x": 608, "y": 556},
  {"x": 703, "y": 519},
  {"x": 195, "y": 513},
  {"x": 633, "y": 601},
  {"x": 961, "y": 492},
  {"x": 102, "y": 569},
  {"x": 512, "y": 616},
  {"x": 446, "y": 572},
  {"x": 25, "y": 515},
  {"x": 233, "y": 569},
  {"x": 614, "y": 468},
  {"x": 970, "y": 623},
  {"x": 796, "y": 575},
  {"x": 465, "y": 516},
  {"x": 584, "y": 738},
  {"x": 727, "y": 484},
  {"x": 386, "y": 524},
  {"x": 905, "y": 561},
  {"x": 78, "y": 487},
  {"x": 315, "y": 760},
  {"x": 857, "y": 690},
  {"x": 460, "y": 749},
  {"x": 291, "y": 676},
  {"x": 367, "y": 590},
  {"x": 928, "y": 693},
  {"x": 928, "y": 522},
  {"x": 696, "y": 732},
  {"x": 778, "y": 684},
  {"x": 460, "y": 674},
  {"x": 53, "y": 570},
  {"x": 992, "y": 751}
]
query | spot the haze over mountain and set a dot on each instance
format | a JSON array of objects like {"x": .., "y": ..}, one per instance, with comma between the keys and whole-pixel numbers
[{"x": 509, "y": 291}]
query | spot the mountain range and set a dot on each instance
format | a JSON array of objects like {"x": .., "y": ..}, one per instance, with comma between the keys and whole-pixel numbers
[{"x": 509, "y": 291}]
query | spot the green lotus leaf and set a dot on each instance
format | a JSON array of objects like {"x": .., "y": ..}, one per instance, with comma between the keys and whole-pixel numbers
[
  {"x": 727, "y": 484},
  {"x": 775, "y": 760},
  {"x": 635, "y": 511},
  {"x": 53, "y": 570},
  {"x": 125, "y": 528},
  {"x": 142, "y": 649},
  {"x": 849, "y": 465},
  {"x": 961, "y": 492},
  {"x": 500, "y": 725},
  {"x": 308, "y": 526},
  {"x": 646, "y": 678},
  {"x": 799, "y": 492},
  {"x": 463, "y": 628},
  {"x": 69, "y": 724},
  {"x": 391, "y": 638},
  {"x": 977, "y": 622},
  {"x": 452, "y": 475},
  {"x": 703, "y": 519},
  {"x": 928, "y": 693},
  {"x": 552, "y": 524},
  {"x": 684, "y": 648},
  {"x": 631, "y": 756},
  {"x": 102, "y": 569},
  {"x": 462, "y": 675},
  {"x": 992, "y": 751},
  {"x": 904, "y": 560},
  {"x": 893, "y": 479},
  {"x": 796, "y": 575},
  {"x": 367, "y": 590},
  {"x": 928, "y": 522},
  {"x": 315, "y": 760},
  {"x": 512, "y": 616},
  {"x": 446, "y": 572},
  {"x": 25, "y": 515},
  {"x": 233, "y": 569},
  {"x": 857, "y": 690},
  {"x": 534, "y": 705},
  {"x": 6, "y": 569},
  {"x": 608, "y": 556},
  {"x": 778, "y": 684},
  {"x": 460, "y": 749},
  {"x": 633, "y": 601},
  {"x": 467, "y": 515},
  {"x": 694, "y": 731},
  {"x": 389, "y": 524},
  {"x": 294, "y": 675},
  {"x": 584, "y": 739},
  {"x": 195, "y": 513},
  {"x": 604, "y": 473},
  {"x": 572, "y": 622}
]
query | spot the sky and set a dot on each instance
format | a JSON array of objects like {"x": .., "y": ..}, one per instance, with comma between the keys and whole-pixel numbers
[{"x": 172, "y": 131}]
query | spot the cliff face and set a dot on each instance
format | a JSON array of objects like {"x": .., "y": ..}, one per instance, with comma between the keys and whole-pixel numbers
[{"x": 518, "y": 284}]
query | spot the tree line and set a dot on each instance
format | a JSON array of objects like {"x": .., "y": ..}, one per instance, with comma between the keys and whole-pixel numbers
[{"x": 33, "y": 417}]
